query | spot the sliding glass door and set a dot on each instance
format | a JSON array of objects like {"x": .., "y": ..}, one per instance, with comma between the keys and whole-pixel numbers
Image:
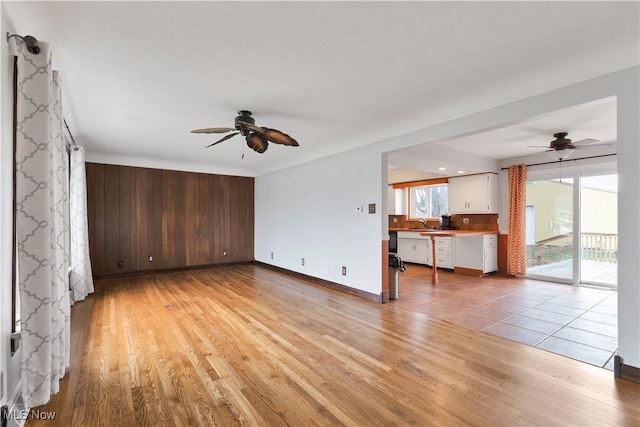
[
  {"x": 550, "y": 249},
  {"x": 599, "y": 230},
  {"x": 572, "y": 233}
]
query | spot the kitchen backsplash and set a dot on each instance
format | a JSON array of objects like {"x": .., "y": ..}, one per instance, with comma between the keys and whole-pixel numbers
[{"x": 477, "y": 222}]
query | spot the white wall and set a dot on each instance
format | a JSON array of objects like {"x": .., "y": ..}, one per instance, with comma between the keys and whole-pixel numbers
[
  {"x": 310, "y": 208},
  {"x": 8, "y": 365},
  {"x": 310, "y": 211}
]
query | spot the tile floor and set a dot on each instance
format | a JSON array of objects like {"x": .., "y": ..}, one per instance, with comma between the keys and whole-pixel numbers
[{"x": 576, "y": 322}]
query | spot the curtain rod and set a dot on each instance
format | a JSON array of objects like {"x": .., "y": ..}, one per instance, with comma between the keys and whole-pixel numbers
[
  {"x": 565, "y": 161},
  {"x": 30, "y": 41},
  {"x": 73, "y": 141}
]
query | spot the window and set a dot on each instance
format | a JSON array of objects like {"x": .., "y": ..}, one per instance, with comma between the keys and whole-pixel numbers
[{"x": 428, "y": 201}]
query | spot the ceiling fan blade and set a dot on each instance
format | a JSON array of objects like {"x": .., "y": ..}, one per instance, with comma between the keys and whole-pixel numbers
[
  {"x": 212, "y": 130},
  {"x": 231, "y": 135},
  {"x": 587, "y": 141},
  {"x": 537, "y": 146},
  {"x": 599, "y": 144},
  {"x": 278, "y": 137},
  {"x": 251, "y": 127},
  {"x": 257, "y": 142}
]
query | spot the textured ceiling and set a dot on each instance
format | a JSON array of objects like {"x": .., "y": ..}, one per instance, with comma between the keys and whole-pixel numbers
[{"x": 137, "y": 76}]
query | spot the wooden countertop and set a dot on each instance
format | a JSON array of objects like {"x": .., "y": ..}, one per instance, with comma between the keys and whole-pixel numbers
[
  {"x": 442, "y": 233},
  {"x": 455, "y": 233}
]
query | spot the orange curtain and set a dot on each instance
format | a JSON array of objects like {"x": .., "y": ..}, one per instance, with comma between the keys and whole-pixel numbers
[{"x": 516, "y": 239}]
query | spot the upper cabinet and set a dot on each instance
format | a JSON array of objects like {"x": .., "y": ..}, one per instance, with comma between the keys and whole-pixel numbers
[
  {"x": 473, "y": 194},
  {"x": 397, "y": 204}
]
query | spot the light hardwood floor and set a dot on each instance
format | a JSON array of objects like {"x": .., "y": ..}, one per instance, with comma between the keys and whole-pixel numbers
[{"x": 246, "y": 345}]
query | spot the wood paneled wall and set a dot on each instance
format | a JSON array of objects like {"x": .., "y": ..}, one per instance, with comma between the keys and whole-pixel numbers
[{"x": 181, "y": 219}]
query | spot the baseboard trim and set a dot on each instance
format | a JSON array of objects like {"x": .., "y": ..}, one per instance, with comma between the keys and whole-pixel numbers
[
  {"x": 627, "y": 372},
  {"x": 468, "y": 271},
  {"x": 342, "y": 288},
  {"x": 169, "y": 270},
  {"x": 384, "y": 296}
]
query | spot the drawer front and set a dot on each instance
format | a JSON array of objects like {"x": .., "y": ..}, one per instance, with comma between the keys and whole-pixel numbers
[
  {"x": 491, "y": 240},
  {"x": 443, "y": 250},
  {"x": 444, "y": 261},
  {"x": 443, "y": 241}
]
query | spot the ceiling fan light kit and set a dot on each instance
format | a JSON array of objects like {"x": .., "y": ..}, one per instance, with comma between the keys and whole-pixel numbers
[
  {"x": 561, "y": 155},
  {"x": 257, "y": 137}
]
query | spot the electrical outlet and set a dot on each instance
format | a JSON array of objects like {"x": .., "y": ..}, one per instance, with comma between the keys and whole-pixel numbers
[
  {"x": 302, "y": 262},
  {"x": 395, "y": 220},
  {"x": 224, "y": 253},
  {"x": 372, "y": 208},
  {"x": 120, "y": 263},
  {"x": 271, "y": 255},
  {"x": 465, "y": 220},
  {"x": 344, "y": 270},
  {"x": 150, "y": 258}
]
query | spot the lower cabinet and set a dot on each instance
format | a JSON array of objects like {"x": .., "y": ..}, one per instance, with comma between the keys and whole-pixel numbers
[
  {"x": 415, "y": 250},
  {"x": 444, "y": 252},
  {"x": 477, "y": 253}
]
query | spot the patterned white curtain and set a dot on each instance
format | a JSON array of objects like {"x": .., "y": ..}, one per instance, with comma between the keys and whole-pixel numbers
[
  {"x": 42, "y": 227},
  {"x": 81, "y": 276}
]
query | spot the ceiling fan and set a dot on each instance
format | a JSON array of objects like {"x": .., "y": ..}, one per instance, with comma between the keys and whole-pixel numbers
[
  {"x": 562, "y": 147},
  {"x": 257, "y": 137}
]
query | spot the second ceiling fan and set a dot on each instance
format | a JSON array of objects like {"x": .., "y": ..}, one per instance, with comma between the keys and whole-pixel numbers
[{"x": 257, "y": 137}]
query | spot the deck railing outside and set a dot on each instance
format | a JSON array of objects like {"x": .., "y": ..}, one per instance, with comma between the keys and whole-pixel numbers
[{"x": 601, "y": 247}]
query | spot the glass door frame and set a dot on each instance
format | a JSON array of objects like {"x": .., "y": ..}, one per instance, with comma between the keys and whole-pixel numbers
[
  {"x": 577, "y": 266},
  {"x": 575, "y": 173}
]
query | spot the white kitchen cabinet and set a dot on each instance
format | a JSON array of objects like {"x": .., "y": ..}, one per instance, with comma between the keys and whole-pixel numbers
[
  {"x": 445, "y": 253},
  {"x": 473, "y": 194},
  {"x": 397, "y": 201},
  {"x": 412, "y": 247},
  {"x": 490, "y": 250},
  {"x": 391, "y": 200},
  {"x": 477, "y": 252},
  {"x": 415, "y": 250}
]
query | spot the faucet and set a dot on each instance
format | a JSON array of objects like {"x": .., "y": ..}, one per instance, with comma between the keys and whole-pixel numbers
[{"x": 423, "y": 222}]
